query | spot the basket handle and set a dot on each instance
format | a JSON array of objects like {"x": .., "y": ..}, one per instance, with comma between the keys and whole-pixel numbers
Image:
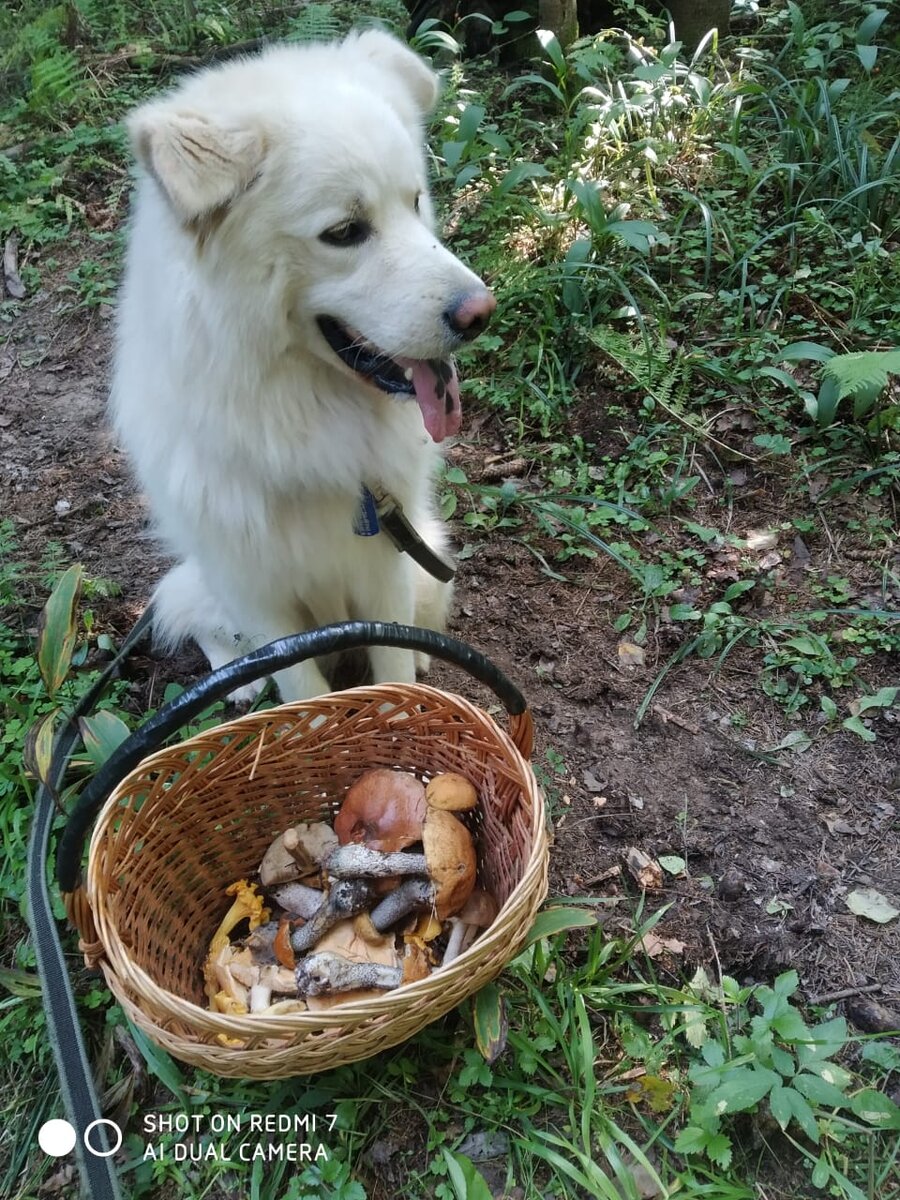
[{"x": 330, "y": 639}]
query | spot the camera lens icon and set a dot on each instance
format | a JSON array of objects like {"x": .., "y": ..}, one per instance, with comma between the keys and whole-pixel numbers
[{"x": 57, "y": 1138}]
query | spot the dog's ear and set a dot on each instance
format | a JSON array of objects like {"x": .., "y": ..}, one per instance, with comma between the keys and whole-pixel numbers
[
  {"x": 200, "y": 166},
  {"x": 420, "y": 81}
]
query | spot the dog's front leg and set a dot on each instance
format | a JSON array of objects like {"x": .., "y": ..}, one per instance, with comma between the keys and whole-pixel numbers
[{"x": 384, "y": 590}]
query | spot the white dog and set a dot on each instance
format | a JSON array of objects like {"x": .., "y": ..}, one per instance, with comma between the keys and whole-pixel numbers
[{"x": 285, "y": 301}]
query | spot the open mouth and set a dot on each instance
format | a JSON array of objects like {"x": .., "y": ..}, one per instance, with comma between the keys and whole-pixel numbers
[{"x": 432, "y": 381}]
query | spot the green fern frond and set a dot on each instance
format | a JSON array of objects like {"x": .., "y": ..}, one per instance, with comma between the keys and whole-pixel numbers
[
  {"x": 865, "y": 371},
  {"x": 314, "y": 23}
]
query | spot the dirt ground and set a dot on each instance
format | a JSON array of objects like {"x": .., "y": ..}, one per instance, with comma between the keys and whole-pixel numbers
[{"x": 773, "y": 842}]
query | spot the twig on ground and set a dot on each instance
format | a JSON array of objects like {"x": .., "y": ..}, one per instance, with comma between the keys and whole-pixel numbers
[{"x": 844, "y": 994}]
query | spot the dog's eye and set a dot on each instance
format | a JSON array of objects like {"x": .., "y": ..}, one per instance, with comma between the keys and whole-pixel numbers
[{"x": 348, "y": 233}]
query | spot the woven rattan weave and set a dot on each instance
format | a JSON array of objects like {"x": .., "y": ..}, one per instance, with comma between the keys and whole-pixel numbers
[{"x": 191, "y": 819}]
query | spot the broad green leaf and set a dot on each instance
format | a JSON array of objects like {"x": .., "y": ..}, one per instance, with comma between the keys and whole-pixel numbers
[
  {"x": 737, "y": 589},
  {"x": 824, "y": 1040},
  {"x": 743, "y": 1089},
  {"x": 472, "y": 116},
  {"x": 883, "y": 698},
  {"x": 867, "y": 56},
  {"x": 557, "y": 920},
  {"x": 801, "y": 351},
  {"x": 672, "y": 863},
  {"x": 691, "y": 1140},
  {"x": 855, "y": 725},
  {"x": 786, "y": 983},
  {"x": 815, "y": 1089},
  {"x": 780, "y": 1105},
  {"x": 882, "y": 1054},
  {"x": 58, "y": 628},
  {"x": 519, "y": 172},
  {"x": 802, "y": 1114},
  {"x": 718, "y": 1150},
  {"x": 790, "y": 1026},
  {"x": 821, "y": 1172},
  {"x": 827, "y": 402},
  {"x": 491, "y": 1022},
  {"x": 876, "y": 1109},
  {"x": 468, "y": 1182},
  {"x": 102, "y": 733},
  {"x": 869, "y": 26},
  {"x": 866, "y": 902}
]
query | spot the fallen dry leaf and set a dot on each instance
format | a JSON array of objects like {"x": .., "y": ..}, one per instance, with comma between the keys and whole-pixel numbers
[
  {"x": 866, "y": 902},
  {"x": 653, "y": 945},
  {"x": 631, "y": 655}
]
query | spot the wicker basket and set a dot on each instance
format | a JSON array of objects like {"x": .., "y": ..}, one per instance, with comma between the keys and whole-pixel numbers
[{"x": 182, "y": 824}]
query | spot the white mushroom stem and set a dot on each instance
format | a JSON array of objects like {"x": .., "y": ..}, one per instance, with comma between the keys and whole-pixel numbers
[
  {"x": 298, "y": 899},
  {"x": 458, "y": 930},
  {"x": 353, "y": 860},
  {"x": 322, "y": 974},
  {"x": 346, "y": 898},
  {"x": 410, "y": 896}
]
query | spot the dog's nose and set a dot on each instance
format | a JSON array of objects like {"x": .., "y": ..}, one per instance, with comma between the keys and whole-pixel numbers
[{"x": 470, "y": 313}]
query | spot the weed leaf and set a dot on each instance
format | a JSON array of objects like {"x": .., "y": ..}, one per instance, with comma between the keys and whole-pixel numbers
[
  {"x": 491, "y": 1022},
  {"x": 557, "y": 920},
  {"x": 876, "y": 1108},
  {"x": 468, "y": 1182},
  {"x": 57, "y": 629},
  {"x": 102, "y": 733},
  {"x": 37, "y": 751}
]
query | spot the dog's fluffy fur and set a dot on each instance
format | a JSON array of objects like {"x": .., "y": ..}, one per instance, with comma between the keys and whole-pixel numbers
[{"x": 275, "y": 191}]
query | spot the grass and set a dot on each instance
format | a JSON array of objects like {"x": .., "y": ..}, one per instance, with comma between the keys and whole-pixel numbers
[{"x": 687, "y": 256}]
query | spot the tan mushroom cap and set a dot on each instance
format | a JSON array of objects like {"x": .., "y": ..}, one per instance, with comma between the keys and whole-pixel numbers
[
  {"x": 452, "y": 792},
  {"x": 450, "y": 855},
  {"x": 384, "y": 810}
]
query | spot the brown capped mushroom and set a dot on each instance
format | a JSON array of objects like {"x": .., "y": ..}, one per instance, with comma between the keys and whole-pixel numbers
[
  {"x": 450, "y": 862},
  {"x": 296, "y": 853},
  {"x": 451, "y": 792},
  {"x": 384, "y": 810}
]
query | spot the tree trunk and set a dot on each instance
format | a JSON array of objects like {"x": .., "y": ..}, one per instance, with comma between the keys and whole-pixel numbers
[
  {"x": 561, "y": 18},
  {"x": 694, "y": 20}
]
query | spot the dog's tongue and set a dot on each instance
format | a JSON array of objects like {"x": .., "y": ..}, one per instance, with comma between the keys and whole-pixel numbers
[{"x": 437, "y": 391}]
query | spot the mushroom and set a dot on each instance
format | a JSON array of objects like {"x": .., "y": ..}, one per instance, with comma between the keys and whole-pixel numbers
[
  {"x": 416, "y": 964},
  {"x": 478, "y": 912},
  {"x": 298, "y": 899},
  {"x": 345, "y": 898},
  {"x": 384, "y": 809},
  {"x": 358, "y": 945},
  {"x": 450, "y": 866},
  {"x": 247, "y": 904},
  {"x": 451, "y": 792},
  {"x": 271, "y": 979},
  {"x": 352, "y": 860},
  {"x": 297, "y": 852},
  {"x": 323, "y": 974}
]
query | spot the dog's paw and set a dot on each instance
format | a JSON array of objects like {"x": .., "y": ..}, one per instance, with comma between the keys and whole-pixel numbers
[
  {"x": 243, "y": 697},
  {"x": 423, "y": 662}
]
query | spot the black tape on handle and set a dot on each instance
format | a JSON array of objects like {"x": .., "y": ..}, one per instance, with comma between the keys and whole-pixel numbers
[{"x": 285, "y": 652}]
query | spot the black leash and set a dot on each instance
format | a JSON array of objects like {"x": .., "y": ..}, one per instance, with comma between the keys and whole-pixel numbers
[{"x": 98, "y": 1174}]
